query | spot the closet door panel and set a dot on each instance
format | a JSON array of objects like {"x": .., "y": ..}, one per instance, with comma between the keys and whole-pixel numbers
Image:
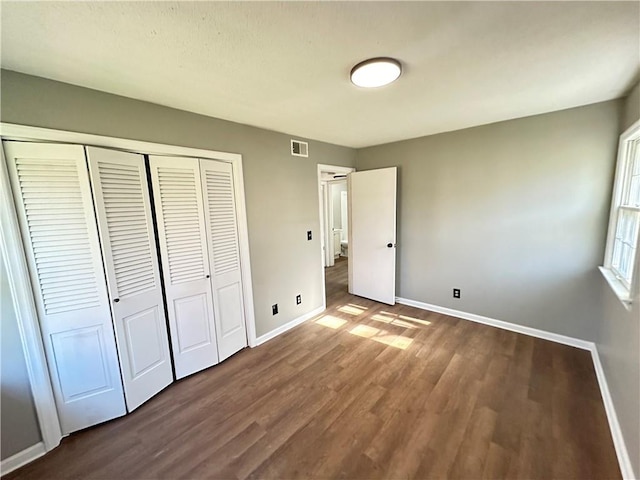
[
  {"x": 146, "y": 346},
  {"x": 123, "y": 209},
  {"x": 53, "y": 198},
  {"x": 224, "y": 256},
  {"x": 193, "y": 328},
  {"x": 178, "y": 202}
]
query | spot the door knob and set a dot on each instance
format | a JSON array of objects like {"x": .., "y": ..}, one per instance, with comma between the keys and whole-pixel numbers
[
  {"x": 116, "y": 300},
  {"x": 208, "y": 276},
  {"x": 389, "y": 245}
]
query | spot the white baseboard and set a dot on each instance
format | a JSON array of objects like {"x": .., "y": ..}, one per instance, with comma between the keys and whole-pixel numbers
[
  {"x": 532, "y": 332},
  {"x": 22, "y": 458},
  {"x": 288, "y": 326},
  {"x": 618, "y": 439}
]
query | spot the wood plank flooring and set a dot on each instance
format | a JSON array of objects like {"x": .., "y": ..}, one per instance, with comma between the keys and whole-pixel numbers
[{"x": 363, "y": 391}]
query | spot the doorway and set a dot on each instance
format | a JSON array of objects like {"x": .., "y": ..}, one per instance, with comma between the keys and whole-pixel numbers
[{"x": 334, "y": 227}]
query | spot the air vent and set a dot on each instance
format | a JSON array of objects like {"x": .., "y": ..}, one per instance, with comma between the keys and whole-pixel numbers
[{"x": 299, "y": 149}]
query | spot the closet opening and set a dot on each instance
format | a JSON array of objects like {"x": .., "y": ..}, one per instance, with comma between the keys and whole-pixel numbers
[{"x": 86, "y": 280}]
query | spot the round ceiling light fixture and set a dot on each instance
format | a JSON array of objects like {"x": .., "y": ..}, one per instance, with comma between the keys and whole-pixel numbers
[{"x": 376, "y": 72}]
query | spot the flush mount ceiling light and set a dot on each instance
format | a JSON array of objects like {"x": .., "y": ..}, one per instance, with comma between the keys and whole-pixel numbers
[{"x": 376, "y": 72}]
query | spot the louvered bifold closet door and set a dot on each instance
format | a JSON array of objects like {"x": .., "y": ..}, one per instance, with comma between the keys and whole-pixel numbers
[
  {"x": 224, "y": 256},
  {"x": 177, "y": 194},
  {"x": 123, "y": 209},
  {"x": 53, "y": 198}
]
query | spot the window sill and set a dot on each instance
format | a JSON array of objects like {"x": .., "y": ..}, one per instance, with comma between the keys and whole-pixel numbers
[{"x": 618, "y": 288}]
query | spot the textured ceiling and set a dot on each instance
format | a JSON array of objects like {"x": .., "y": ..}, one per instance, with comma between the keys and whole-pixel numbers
[{"x": 285, "y": 66}]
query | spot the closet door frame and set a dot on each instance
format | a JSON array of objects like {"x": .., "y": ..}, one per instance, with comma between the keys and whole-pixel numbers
[{"x": 13, "y": 251}]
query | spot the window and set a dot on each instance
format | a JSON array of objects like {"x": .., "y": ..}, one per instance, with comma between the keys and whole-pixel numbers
[{"x": 620, "y": 266}]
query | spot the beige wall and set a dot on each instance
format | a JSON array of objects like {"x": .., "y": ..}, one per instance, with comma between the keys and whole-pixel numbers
[
  {"x": 17, "y": 412},
  {"x": 513, "y": 213},
  {"x": 618, "y": 338}
]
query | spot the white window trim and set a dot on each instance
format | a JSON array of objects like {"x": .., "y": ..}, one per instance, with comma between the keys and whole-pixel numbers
[{"x": 622, "y": 291}]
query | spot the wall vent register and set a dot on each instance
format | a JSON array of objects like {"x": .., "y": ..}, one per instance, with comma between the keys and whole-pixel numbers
[{"x": 299, "y": 148}]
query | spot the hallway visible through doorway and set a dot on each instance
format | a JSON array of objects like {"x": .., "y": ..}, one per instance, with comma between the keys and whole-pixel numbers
[{"x": 336, "y": 280}]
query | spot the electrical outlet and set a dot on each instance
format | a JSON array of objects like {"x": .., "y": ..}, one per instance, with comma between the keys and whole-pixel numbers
[
  {"x": 274, "y": 309},
  {"x": 456, "y": 293},
  {"x": 298, "y": 299},
  {"x": 309, "y": 235}
]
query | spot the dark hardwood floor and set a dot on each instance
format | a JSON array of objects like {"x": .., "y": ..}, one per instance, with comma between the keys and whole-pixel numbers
[{"x": 363, "y": 391}]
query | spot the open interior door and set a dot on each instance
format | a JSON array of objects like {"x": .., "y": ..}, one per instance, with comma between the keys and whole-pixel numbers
[{"x": 372, "y": 234}]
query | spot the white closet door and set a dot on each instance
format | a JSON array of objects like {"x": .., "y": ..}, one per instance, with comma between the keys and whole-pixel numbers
[
  {"x": 133, "y": 277},
  {"x": 179, "y": 209},
  {"x": 53, "y": 198},
  {"x": 224, "y": 256}
]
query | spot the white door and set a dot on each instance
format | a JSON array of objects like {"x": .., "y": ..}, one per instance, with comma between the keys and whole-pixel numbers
[
  {"x": 130, "y": 257},
  {"x": 51, "y": 188},
  {"x": 372, "y": 234},
  {"x": 177, "y": 193},
  {"x": 224, "y": 256}
]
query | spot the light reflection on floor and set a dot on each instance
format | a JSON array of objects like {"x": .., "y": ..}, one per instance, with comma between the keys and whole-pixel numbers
[
  {"x": 426, "y": 323},
  {"x": 373, "y": 333},
  {"x": 331, "y": 322},
  {"x": 382, "y": 336},
  {"x": 352, "y": 309}
]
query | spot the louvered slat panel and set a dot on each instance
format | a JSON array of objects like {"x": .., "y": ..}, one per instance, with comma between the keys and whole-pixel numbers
[
  {"x": 128, "y": 259},
  {"x": 181, "y": 224},
  {"x": 186, "y": 246},
  {"x": 83, "y": 273},
  {"x": 132, "y": 266},
  {"x": 55, "y": 232},
  {"x": 129, "y": 244},
  {"x": 45, "y": 246},
  {"x": 126, "y": 219},
  {"x": 48, "y": 253},
  {"x": 185, "y": 234},
  {"x": 116, "y": 230},
  {"x": 222, "y": 220}
]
